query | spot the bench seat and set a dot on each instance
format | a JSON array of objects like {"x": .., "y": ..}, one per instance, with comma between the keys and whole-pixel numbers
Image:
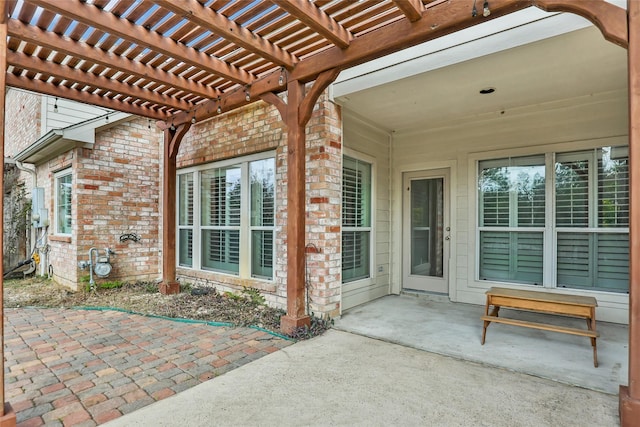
[{"x": 542, "y": 302}]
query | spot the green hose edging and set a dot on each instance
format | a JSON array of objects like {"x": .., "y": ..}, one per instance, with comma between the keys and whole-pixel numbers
[{"x": 176, "y": 319}]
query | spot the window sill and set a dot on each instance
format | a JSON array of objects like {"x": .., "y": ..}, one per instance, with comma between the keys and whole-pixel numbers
[{"x": 63, "y": 239}]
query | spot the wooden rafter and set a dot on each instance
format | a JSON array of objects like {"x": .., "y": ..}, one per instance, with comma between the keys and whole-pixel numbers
[
  {"x": 84, "y": 97},
  {"x": 77, "y": 76},
  {"x": 35, "y": 35},
  {"x": 317, "y": 20},
  {"x": 219, "y": 24},
  {"x": 412, "y": 9},
  {"x": 109, "y": 23}
]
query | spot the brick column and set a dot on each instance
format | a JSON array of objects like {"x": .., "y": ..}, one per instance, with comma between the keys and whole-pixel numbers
[{"x": 324, "y": 190}]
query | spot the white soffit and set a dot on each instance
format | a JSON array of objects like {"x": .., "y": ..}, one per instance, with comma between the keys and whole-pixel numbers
[{"x": 516, "y": 29}]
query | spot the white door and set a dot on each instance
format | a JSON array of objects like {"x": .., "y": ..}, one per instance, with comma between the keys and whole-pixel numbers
[{"x": 426, "y": 231}]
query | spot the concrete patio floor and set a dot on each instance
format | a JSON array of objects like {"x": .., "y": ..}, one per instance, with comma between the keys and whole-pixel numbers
[
  {"x": 350, "y": 379},
  {"x": 436, "y": 325},
  {"x": 342, "y": 379}
]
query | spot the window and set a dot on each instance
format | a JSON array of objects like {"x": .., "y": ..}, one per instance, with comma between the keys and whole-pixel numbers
[
  {"x": 63, "y": 191},
  {"x": 228, "y": 224},
  {"x": 586, "y": 222},
  {"x": 185, "y": 219},
  {"x": 261, "y": 180},
  {"x": 512, "y": 218},
  {"x": 592, "y": 219},
  {"x": 356, "y": 219}
]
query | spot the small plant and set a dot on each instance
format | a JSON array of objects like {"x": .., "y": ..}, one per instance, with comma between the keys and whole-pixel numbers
[
  {"x": 318, "y": 326},
  {"x": 151, "y": 288},
  {"x": 116, "y": 284},
  {"x": 186, "y": 287},
  {"x": 253, "y": 295},
  {"x": 232, "y": 296}
]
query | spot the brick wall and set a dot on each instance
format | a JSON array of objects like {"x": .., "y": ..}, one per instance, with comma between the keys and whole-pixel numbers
[
  {"x": 23, "y": 110},
  {"x": 115, "y": 192},
  {"x": 117, "y": 188},
  {"x": 256, "y": 128}
]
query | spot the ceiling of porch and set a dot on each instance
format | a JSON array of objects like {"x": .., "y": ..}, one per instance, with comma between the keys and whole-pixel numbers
[{"x": 572, "y": 65}]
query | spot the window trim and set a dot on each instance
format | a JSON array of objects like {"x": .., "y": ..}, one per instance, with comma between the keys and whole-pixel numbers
[
  {"x": 67, "y": 172},
  {"x": 549, "y": 273},
  {"x": 366, "y": 281},
  {"x": 244, "y": 268}
]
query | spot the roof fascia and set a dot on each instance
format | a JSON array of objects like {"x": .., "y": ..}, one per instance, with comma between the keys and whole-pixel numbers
[{"x": 80, "y": 134}]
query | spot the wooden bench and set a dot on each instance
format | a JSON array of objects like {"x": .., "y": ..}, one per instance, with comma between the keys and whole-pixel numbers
[{"x": 544, "y": 302}]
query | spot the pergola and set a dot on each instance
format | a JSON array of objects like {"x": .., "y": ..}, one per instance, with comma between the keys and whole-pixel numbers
[{"x": 183, "y": 61}]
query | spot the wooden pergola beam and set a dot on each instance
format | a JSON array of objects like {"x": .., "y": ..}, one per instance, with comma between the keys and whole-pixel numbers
[
  {"x": 7, "y": 415},
  {"x": 220, "y": 25},
  {"x": 412, "y": 9},
  {"x": 91, "y": 15},
  {"x": 610, "y": 19},
  {"x": 629, "y": 403},
  {"x": 316, "y": 19},
  {"x": 38, "y": 86},
  {"x": 63, "y": 72},
  {"x": 32, "y": 34}
]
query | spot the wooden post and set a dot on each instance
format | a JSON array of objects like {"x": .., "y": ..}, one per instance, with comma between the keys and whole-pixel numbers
[
  {"x": 296, "y": 113},
  {"x": 630, "y": 396},
  {"x": 296, "y": 204},
  {"x": 172, "y": 139},
  {"x": 7, "y": 416}
]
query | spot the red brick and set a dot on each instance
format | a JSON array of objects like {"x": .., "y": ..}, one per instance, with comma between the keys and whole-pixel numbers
[
  {"x": 21, "y": 405},
  {"x": 52, "y": 388},
  {"x": 134, "y": 395},
  {"x": 76, "y": 418},
  {"x": 94, "y": 399},
  {"x": 66, "y": 400},
  {"x": 109, "y": 415},
  {"x": 319, "y": 200},
  {"x": 163, "y": 394}
]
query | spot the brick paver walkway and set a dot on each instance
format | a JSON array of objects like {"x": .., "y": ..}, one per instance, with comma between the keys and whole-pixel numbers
[{"x": 83, "y": 367}]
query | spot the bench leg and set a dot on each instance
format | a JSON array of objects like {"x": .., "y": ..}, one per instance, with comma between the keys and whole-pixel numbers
[
  {"x": 484, "y": 331},
  {"x": 591, "y": 325},
  {"x": 494, "y": 312}
]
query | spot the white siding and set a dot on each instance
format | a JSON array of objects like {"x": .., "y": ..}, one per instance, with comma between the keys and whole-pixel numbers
[
  {"x": 584, "y": 122},
  {"x": 362, "y": 137},
  {"x": 69, "y": 113}
]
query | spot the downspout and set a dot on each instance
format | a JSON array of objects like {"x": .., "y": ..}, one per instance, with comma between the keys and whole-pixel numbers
[
  {"x": 39, "y": 244},
  {"x": 28, "y": 167}
]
